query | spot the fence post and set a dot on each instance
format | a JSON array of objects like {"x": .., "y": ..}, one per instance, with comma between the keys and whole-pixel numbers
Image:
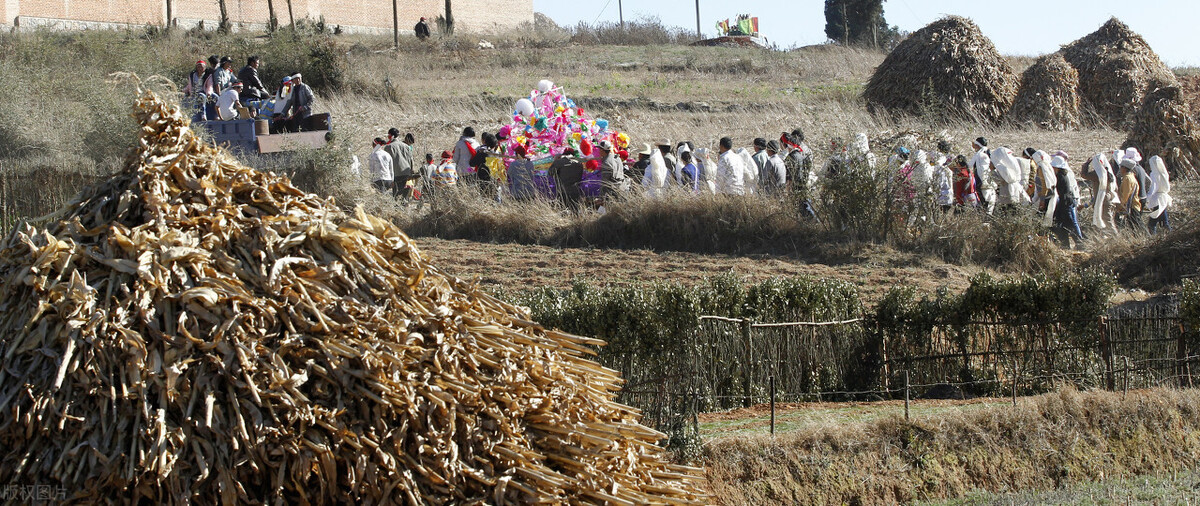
[
  {"x": 1106, "y": 352},
  {"x": 772, "y": 404},
  {"x": 747, "y": 363},
  {"x": 1181, "y": 367},
  {"x": 906, "y": 395},
  {"x": 885, "y": 370},
  {"x": 1016, "y": 378}
]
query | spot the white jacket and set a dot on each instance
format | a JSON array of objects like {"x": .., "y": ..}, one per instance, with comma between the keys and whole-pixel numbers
[
  {"x": 379, "y": 162},
  {"x": 749, "y": 171},
  {"x": 980, "y": 165},
  {"x": 731, "y": 173}
]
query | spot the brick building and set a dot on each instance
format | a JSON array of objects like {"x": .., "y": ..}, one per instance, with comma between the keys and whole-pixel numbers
[{"x": 350, "y": 16}]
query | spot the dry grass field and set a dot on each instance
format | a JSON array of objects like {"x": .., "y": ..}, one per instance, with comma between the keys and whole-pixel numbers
[{"x": 63, "y": 125}]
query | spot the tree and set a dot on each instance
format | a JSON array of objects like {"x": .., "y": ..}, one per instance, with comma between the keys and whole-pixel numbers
[
  {"x": 449, "y": 19},
  {"x": 858, "y": 23},
  {"x": 224, "y": 26},
  {"x": 272, "y": 21}
]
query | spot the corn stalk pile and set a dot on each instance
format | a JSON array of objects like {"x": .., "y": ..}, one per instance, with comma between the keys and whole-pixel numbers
[
  {"x": 947, "y": 66},
  {"x": 1049, "y": 95},
  {"x": 1117, "y": 70},
  {"x": 192, "y": 330},
  {"x": 1164, "y": 126}
]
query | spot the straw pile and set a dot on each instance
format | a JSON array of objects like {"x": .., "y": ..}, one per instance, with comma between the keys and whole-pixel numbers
[
  {"x": 948, "y": 66},
  {"x": 1164, "y": 126},
  {"x": 1048, "y": 96},
  {"x": 1117, "y": 69},
  {"x": 194, "y": 331},
  {"x": 1191, "y": 93}
]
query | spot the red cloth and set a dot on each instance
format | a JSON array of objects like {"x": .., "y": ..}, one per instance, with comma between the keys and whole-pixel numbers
[{"x": 964, "y": 188}]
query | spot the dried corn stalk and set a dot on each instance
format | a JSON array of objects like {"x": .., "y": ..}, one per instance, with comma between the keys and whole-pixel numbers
[
  {"x": 1164, "y": 127},
  {"x": 1117, "y": 70},
  {"x": 948, "y": 66},
  {"x": 1049, "y": 95},
  {"x": 193, "y": 330}
]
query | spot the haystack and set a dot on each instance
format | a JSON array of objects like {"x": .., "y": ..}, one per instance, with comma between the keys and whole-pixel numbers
[
  {"x": 1048, "y": 96},
  {"x": 948, "y": 66},
  {"x": 1117, "y": 69},
  {"x": 195, "y": 331},
  {"x": 1164, "y": 126}
]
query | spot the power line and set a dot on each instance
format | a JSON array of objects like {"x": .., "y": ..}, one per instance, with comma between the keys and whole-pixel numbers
[{"x": 602, "y": 12}]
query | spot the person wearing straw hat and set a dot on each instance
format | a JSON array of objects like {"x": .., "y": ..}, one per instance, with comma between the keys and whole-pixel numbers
[
  {"x": 1066, "y": 222},
  {"x": 643, "y": 161}
]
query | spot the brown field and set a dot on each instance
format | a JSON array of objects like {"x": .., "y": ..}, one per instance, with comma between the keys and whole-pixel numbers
[{"x": 516, "y": 266}]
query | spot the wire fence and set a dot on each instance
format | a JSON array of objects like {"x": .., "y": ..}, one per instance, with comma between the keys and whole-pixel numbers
[{"x": 733, "y": 362}]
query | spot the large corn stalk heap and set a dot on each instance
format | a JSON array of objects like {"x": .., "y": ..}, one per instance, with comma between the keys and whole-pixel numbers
[{"x": 193, "y": 330}]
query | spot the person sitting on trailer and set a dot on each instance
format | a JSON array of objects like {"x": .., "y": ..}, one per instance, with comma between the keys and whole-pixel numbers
[
  {"x": 301, "y": 104},
  {"x": 280, "y": 105},
  {"x": 227, "y": 105}
]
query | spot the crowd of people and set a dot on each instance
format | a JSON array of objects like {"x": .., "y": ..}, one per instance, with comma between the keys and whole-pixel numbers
[
  {"x": 1121, "y": 193},
  {"x": 217, "y": 93}
]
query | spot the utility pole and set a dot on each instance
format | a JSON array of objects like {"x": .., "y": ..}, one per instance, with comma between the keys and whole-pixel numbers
[
  {"x": 291, "y": 17},
  {"x": 449, "y": 19},
  {"x": 621, "y": 14},
  {"x": 168, "y": 23},
  {"x": 395, "y": 26},
  {"x": 698, "y": 19}
]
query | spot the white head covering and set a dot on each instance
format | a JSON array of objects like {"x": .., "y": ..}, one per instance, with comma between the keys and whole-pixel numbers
[
  {"x": 1100, "y": 167},
  {"x": 1118, "y": 156},
  {"x": 1006, "y": 164},
  {"x": 922, "y": 157},
  {"x": 1058, "y": 162},
  {"x": 1160, "y": 187},
  {"x": 861, "y": 145},
  {"x": 1131, "y": 153}
]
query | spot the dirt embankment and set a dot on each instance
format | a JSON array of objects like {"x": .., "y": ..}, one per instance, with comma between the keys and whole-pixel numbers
[{"x": 1043, "y": 443}]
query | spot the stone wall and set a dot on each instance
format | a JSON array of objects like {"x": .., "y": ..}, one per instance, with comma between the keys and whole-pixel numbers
[{"x": 352, "y": 16}]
